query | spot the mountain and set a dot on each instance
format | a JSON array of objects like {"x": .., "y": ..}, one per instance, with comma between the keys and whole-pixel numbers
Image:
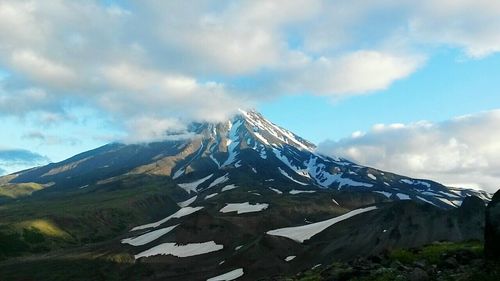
[
  {"x": 243, "y": 199},
  {"x": 226, "y": 152}
]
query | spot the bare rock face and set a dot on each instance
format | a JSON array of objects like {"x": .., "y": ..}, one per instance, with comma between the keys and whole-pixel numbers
[{"x": 492, "y": 229}]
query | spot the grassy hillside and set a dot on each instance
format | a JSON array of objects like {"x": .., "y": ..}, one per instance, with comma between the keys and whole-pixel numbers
[{"x": 52, "y": 221}]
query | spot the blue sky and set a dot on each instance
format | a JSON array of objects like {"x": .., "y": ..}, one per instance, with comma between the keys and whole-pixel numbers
[
  {"x": 448, "y": 86},
  {"x": 348, "y": 75}
]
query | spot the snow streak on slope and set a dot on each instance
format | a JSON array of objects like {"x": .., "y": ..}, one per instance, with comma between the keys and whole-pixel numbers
[
  {"x": 231, "y": 275},
  {"x": 289, "y": 177},
  {"x": 325, "y": 179},
  {"x": 242, "y": 208},
  {"x": 179, "y": 214},
  {"x": 181, "y": 251},
  {"x": 187, "y": 202},
  {"x": 220, "y": 180},
  {"x": 276, "y": 190},
  {"x": 228, "y": 187},
  {"x": 305, "y": 232},
  {"x": 148, "y": 237},
  {"x": 191, "y": 186},
  {"x": 232, "y": 143},
  {"x": 211, "y": 195},
  {"x": 295, "y": 191}
]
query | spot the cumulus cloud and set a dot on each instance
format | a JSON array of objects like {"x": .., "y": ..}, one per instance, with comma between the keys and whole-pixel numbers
[
  {"x": 177, "y": 61},
  {"x": 16, "y": 159},
  {"x": 464, "y": 23},
  {"x": 464, "y": 151},
  {"x": 354, "y": 73}
]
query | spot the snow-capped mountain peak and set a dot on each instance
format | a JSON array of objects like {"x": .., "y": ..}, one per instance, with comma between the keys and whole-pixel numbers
[{"x": 247, "y": 149}]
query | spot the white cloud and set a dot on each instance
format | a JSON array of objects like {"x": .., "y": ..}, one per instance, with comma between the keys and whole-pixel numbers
[
  {"x": 170, "y": 60},
  {"x": 41, "y": 68},
  {"x": 468, "y": 24},
  {"x": 354, "y": 73},
  {"x": 464, "y": 151}
]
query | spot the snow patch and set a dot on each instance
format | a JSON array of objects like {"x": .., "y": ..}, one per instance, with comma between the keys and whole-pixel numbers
[
  {"x": 297, "y": 169},
  {"x": 228, "y": 187},
  {"x": 215, "y": 160},
  {"x": 179, "y": 214},
  {"x": 242, "y": 208},
  {"x": 446, "y": 201},
  {"x": 211, "y": 195},
  {"x": 403, "y": 196},
  {"x": 276, "y": 190},
  {"x": 232, "y": 143},
  {"x": 426, "y": 201},
  {"x": 181, "y": 251},
  {"x": 187, "y": 202},
  {"x": 305, "y": 232},
  {"x": 219, "y": 180},
  {"x": 148, "y": 237},
  {"x": 325, "y": 179},
  {"x": 263, "y": 154},
  {"x": 191, "y": 186},
  {"x": 289, "y": 177},
  {"x": 178, "y": 173},
  {"x": 386, "y": 194},
  {"x": 335, "y": 201},
  {"x": 415, "y": 182},
  {"x": 295, "y": 191},
  {"x": 261, "y": 138},
  {"x": 231, "y": 275}
]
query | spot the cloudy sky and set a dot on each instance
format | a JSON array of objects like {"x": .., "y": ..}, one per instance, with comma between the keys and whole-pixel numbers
[{"x": 407, "y": 86}]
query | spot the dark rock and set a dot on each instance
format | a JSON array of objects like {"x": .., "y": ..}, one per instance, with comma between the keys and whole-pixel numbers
[
  {"x": 420, "y": 264},
  {"x": 472, "y": 205},
  {"x": 450, "y": 262},
  {"x": 492, "y": 229},
  {"x": 375, "y": 259},
  {"x": 418, "y": 274}
]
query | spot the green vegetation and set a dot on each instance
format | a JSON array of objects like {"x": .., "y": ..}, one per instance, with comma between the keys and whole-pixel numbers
[
  {"x": 28, "y": 241},
  {"x": 75, "y": 270},
  {"x": 12, "y": 244},
  {"x": 432, "y": 254},
  {"x": 444, "y": 261},
  {"x": 33, "y": 236},
  {"x": 18, "y": 190}
]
